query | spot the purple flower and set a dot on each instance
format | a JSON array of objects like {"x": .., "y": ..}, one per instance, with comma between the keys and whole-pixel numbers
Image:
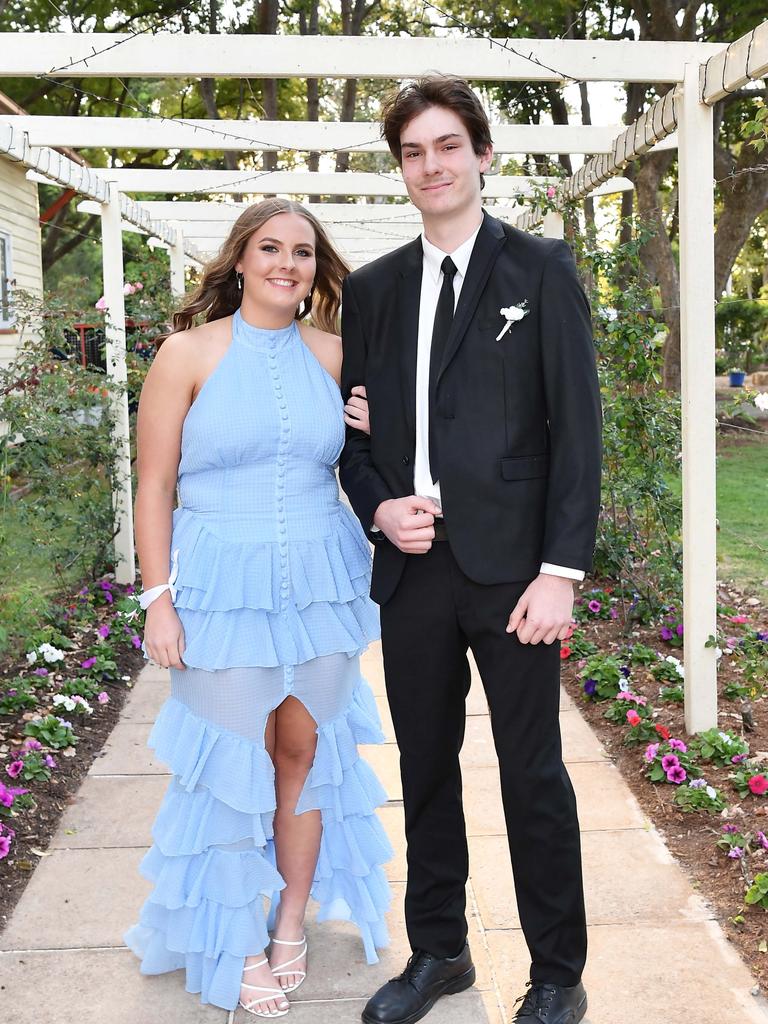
[
  {"x": 590, "y": 685},
  {"x": 88, "y": 663},
  {"x": 40, "y": 672},
  {"x": 762, "y": 840},
  {"x": 651, "y": 751},
  {"x": 669, "y": 761},
  {"x": 5, "y": 846},
  {"x": 738, "y": 758},
  {"x": 666, "y": 633},
  {"x": 594, "y": 606},
  {"x": 9, "y": 793},
  {"x": 83, "y": 590},
  {"x": 613, "y": 613},
  {"x": 697, "y": 784},
  {"x": 103, "y": 631},
  {"x": 31, "y": 744},
  {"x": 677, "y": 774},
  {"x": 679, "y": 629},
  {"x": 136, "y": 641},
  {"x": 107, "y": 596},
  {"x": 736, "y": 853},
  {"x": 624, "y": 671},
  {"x": 730, "y": 829},
  {"x": 761, "y": 636},
  {"x": 105, "y": 584},
  {"x": 103, "y": 697},
  {"x": 678, "y": 745},
  {"x": 15, "y": 768},
  {"x": 49, "y": 761}
]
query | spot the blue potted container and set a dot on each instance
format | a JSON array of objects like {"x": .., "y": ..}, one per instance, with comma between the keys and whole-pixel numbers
[{"x": 736, "y": 378}]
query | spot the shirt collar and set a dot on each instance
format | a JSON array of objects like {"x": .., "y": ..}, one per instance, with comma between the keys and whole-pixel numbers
[{"x": 433, "y": 257}]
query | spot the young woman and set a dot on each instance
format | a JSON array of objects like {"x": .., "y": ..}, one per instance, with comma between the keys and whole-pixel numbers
[{"x": 256, "y": 590}]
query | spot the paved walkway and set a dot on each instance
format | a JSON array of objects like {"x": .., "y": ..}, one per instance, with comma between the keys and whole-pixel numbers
[{"x": 656, "y": 954}]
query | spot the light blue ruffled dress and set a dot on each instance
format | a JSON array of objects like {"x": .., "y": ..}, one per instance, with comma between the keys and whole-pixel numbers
[{"x": 272, "y": 591}]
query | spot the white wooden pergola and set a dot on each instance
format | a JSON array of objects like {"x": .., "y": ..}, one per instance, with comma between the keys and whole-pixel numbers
[{"x": 698, "y": 74}]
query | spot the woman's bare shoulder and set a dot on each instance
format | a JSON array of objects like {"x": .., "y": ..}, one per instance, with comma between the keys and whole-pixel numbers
[{"x": 325, "y": 347}]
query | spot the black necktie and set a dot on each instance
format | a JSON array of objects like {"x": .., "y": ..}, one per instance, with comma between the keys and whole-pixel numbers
[{"x": 440, "y": 332}]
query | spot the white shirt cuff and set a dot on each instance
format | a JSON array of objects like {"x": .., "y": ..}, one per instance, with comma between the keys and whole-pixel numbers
[{"x": 561, "y": 570}]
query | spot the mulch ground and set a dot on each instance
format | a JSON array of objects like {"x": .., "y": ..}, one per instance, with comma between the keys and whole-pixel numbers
[
  {"x": 691, "y": 836},
  {"x": 36, "y": 827}
]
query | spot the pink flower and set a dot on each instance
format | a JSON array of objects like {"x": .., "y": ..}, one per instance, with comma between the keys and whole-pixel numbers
[
  {"x": 633, "y": 718},
  {"x": 594, "y": 607},
  {"x": 625, "y": 695},
  {"x": 128, "y": 289},
  {"x": 762, "y": 840},
  {"x": 758, "y": 784},
  {"x": 739, "y": 619},
  {"x": 669, "y": 761},
  {"x": 138, "y": 287},
  {"x": 736, "y": 853},
  {"x": 49, "y": 761},
  {"x": 101, "y": 304},
  {"x": 738, "y": 758},
  {"x": 103, "y": 697},
  {"x": 5, "y": 846},
  {"x": 651, "y": 751},
  {"x": 103, "y": 631},
  {"x": 136, "y": 641},
  {"x": 15, "y": 768},
  {"x": 677, "y": 774},
  {"x": 551, "y": 192},
  {"x": 88, "y": 663},
  {"x": 678, "y": 745}
]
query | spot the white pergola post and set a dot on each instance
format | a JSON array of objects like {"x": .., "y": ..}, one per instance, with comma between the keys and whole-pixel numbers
[
  {"x": 176, "y": 253},
  {"x": 112, "y": 262},
  {"x": 697, "y": 341},
  {"x": 553, "y": 225}
]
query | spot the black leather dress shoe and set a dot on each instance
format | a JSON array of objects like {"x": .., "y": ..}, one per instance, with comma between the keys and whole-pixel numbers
[
  {"x": 552, "y": 1004},
  {"x": 410, "y": 996}
]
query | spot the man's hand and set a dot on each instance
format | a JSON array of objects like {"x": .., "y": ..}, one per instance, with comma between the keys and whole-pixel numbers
[
  {"x": 408, "y": 523},
  {"x": 543, "y": 613}
]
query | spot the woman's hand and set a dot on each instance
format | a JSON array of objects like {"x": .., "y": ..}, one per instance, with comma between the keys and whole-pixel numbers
[
  {"x": 356, "y": 410},
  {"x": 164, "y": 633}
]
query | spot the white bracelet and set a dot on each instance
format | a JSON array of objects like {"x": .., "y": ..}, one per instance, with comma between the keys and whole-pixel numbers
[{"x": 146, "y": 598}]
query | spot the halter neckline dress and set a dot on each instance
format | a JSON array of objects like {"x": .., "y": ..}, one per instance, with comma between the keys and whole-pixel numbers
[{"x": 272, "y": 590}]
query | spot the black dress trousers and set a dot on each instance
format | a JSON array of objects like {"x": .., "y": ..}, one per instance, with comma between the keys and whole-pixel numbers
[{"x": 436, "y": 614}]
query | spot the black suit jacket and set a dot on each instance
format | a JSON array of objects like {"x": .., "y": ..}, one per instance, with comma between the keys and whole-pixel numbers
[{"x": 518, "y": 420}]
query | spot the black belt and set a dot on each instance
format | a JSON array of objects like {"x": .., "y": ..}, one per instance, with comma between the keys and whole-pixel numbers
[{"x": 440, "y": 531}]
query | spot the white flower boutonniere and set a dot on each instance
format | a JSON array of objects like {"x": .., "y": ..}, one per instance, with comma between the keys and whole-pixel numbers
[{"x": 512, "y": 315}]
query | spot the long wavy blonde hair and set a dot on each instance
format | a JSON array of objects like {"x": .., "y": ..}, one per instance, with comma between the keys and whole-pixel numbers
[{"x": 217, "y": 295}]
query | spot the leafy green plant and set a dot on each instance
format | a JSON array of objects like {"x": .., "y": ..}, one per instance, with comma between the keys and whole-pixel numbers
[
  {"x": 51, "y": 731},
  {"x": 602, "y": 677},
  {"x": 698, "y": 796},
  {"x": 719, "y": 746},
  {"x": 641, "y": 654},
  {"x": 580, "y": 646},
  {"x": 757, "y": 894},
  {"x": 674, "y": 694},
  {"x": 19, "y": 696}
]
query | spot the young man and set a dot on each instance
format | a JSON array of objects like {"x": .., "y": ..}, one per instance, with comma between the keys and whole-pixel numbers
[{"x": 480, "y": 486}]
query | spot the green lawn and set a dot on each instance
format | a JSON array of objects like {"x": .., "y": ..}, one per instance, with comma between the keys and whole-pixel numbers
[{"x": 742, "y": 509}]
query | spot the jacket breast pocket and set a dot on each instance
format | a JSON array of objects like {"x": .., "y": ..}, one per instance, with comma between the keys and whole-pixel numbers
[{"x": 525, "y": 467}]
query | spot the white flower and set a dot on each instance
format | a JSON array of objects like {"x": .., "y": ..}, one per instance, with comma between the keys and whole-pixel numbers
[
  {"x": 711, "y": 792},
  {"x": 512, "y": 314},
  {"x": 32, "y": 657},
  {"x": 51, "y": 653},
  {"x": 678, "y": 667},
  {"x": 718, "y": 653},
  {"x": 761, "y": 401},
  {"x": 62, "y": 701},
  {"x": 725, "y": 737}
]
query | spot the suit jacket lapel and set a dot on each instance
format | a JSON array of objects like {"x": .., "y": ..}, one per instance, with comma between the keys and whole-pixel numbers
[
  {"x": 408, "y": 301},
  {"x": 490, "y": 239}
]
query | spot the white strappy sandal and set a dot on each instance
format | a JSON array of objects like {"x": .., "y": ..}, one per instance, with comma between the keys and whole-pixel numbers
[
  {"x": 277, "y": 994},
  {"x": 282, "y": 972}
]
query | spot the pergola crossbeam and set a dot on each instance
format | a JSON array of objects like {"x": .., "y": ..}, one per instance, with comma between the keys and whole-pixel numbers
[
  {"x": 177, "y": 55},
  {"x": 742, "y": 61}
]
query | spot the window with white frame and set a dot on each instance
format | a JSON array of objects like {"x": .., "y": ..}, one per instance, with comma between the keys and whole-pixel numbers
[{"x": 5, "y": 280}]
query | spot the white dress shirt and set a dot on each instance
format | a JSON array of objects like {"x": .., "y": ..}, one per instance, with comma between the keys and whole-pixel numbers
[{"x": 431, "y": 283}]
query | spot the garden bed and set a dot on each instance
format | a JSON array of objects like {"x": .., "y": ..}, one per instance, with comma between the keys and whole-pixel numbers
[
  {"x": 691, "y": 835},
  {"x": 92, "y": 653}
]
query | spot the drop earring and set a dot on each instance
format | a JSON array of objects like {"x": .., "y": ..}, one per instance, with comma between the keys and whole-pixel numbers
[{"x": 239, "y": 277}]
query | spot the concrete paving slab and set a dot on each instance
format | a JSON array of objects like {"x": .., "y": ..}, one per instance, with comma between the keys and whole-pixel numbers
[
  {"x": 90, "y": 986},
  {"x": 465, "y": 1008},
  {"x": 385, "y": 761},
  {"x": 111, "y": 812},
  {"x": 616, "y": 808},
  {"x": 78, "y": 898},
  {"x": 151, "y": 689},
  {"x": 126, "y": 753},
  {"x": 647, "y": 974},
  {"x": 609, "y": 859},
  {"x": 579, "y": 741},
  {"x": 372, "y": 668},
  {"x": 392, "y": 818},
  {"x": 386, "y": 719}
]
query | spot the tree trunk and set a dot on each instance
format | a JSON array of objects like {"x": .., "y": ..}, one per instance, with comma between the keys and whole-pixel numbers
[
  {"x": 310, "y": 27},
  {"x": 268, "y": 12},
  {"x": 353, "y": 16},
  {"x": 745, "y": 196}
]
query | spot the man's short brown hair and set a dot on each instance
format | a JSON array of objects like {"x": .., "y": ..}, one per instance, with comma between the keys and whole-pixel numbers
[{"x": 434, "y": 91}]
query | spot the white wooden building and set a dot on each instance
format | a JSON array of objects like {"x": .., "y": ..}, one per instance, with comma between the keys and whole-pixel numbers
[{"x": 21, "y": 264}]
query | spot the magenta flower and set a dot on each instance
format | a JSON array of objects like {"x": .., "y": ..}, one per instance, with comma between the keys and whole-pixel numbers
[
  {"x": 613, "y": 613},
  {"x": 736, "y": 853},
  {"x": 103, "y": 697},
  {"x": 651, "y": 751},
  {"x": 738, "y": 758},
  {"x": 762, "y": 840},
  {"x": 40, "y": 672},
  {"x": 669, "y": 761},
  {"x": 666, "y": 633},
  {"x": 88, "y": 663},
  {"x": 679, "y": 629},
  {"x": 678, "y": 745},
  {"x": 15, "y": 768},
  {"x": 5, "y": 846},
  {"x": 594, "y": 607},
  {"x": 9, "y": 793},
  {"x": 136, "y": 641},
  {"x": 103, "y": 631},
  {"x": 49, "y": 761},
  {"x": 730, "y": 829},
  {"x": 105, "y": 584},
  {"x": 677, "y": 774},
  {"x": 31, "y": 744},
  {"x": 107, "y": 596}
]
